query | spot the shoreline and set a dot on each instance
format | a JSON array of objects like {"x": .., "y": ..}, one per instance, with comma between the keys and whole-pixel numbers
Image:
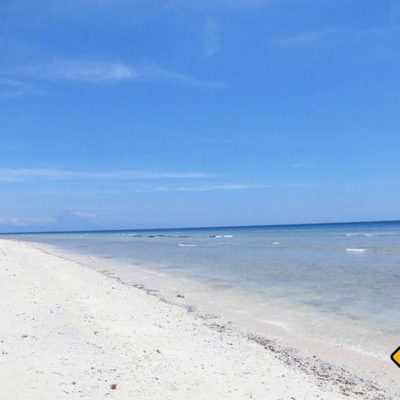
[
  {"x": 249, "y": 313},
  {"x": 127, "y": 316}
]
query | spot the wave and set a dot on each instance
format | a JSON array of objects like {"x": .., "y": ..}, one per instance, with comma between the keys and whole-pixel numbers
[
  {"x": 187, "y": 245},
  {"x": 136, "y": 235},
  {"x": 220, "y": 236},
  {"x": 368, "y": 234},
  {"x": 356, "y": 250}
]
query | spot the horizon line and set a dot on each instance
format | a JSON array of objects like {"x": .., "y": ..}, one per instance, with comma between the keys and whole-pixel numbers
[{"x": 199, "y": 227}]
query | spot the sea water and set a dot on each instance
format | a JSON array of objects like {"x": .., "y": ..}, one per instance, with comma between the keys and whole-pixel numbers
[{"x": 326, "y": 272}]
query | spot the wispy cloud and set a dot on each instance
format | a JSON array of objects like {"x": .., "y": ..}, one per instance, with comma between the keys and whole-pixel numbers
[
  {"x": 129, "y": 9},
  {"x": 211, "y": 37},
  {"x": 226, "y": 187},
  {"x": 193, "y": 181},
  {"x": 18, "y": 175},
  {"x": 106, "y": 4},
  {"x": 308, "y": 38},
  {"x": 84, "y": 215},
  {"x": 13, "y": 221},
  {"x": 302, "y": 165},
  {"x": 14, "y": 88},
  {"x": 233, "y": 4},
  {"x": 97, "y": 71},
  {"x": 43, "y": 221}
]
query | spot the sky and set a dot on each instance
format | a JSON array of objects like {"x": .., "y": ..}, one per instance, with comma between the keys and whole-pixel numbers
[{"x": 174, "y": 113}]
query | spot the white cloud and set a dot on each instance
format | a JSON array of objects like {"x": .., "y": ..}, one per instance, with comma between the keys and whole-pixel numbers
[
  {"x": 85, "y": 215},
  {"x": 107, "y": 4},
  {"x": 75, "y": 70},
  {"x": 97, "y": 71},
  {"x": 308, "y": 38},
  {"x": 6, "y": 220},
  {"x": 41, "y": 221},
  {"x": 127, "y": 11},
  {"x": 302, "y": 165},
  {"x": 16, "y": 175},
  {"x": 211, "y": 37},
  {"x": 14, "y": 88},
  {"x": 230, "y": 4},
  {"x": 226, "y": 186}
]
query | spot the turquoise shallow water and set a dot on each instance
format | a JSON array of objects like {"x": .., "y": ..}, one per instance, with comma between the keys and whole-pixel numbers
[{"x": 341, "y": 270}]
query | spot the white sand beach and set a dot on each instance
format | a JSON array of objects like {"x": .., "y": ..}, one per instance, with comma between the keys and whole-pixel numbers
[{"x": 71, "y": 332}]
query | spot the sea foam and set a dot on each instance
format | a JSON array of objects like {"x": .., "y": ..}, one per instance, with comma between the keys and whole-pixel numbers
[{"x": 356, "y": 250}]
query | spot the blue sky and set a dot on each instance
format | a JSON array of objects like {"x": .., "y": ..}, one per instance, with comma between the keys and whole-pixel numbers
[{"x": 133, "y": 113}]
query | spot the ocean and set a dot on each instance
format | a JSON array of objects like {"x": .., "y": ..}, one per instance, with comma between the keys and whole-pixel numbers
[{"x": 334, "y": 282}]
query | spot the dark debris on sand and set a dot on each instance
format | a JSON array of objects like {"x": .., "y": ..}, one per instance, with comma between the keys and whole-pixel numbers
[{"x": 327, "y": 376}]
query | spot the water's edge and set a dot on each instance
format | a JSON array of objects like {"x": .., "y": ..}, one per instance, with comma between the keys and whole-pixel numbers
[{"x": 220, "y": 310}]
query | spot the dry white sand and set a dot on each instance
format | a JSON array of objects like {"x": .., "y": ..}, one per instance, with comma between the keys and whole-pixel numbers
[{"x": 70, "y": 332}]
